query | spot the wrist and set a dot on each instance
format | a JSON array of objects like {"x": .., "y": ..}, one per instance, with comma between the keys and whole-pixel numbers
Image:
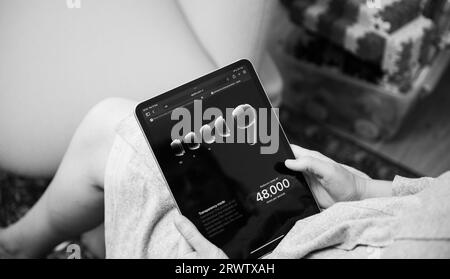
[
  {"x": 376, "y": 189},
  {"x": 361, "y": 185}
]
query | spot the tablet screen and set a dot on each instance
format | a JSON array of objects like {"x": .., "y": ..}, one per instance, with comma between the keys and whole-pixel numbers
[{"x": 221, "y": 149}]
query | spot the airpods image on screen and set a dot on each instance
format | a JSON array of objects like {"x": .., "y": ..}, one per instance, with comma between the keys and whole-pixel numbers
[
  {"x": 192, "y": 141},
  {"x": 177, "y": 147},
  {"x": 243, "y": 115},
  {"x": 207, "y": 134},
  {"x": 221, "y": 128}
]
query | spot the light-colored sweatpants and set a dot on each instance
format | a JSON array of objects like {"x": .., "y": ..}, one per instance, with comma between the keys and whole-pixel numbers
[{"x": 139, "y": 211}]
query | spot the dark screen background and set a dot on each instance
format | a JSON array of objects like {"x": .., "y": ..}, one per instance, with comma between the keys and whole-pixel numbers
[{"x": 233, "y": 172}]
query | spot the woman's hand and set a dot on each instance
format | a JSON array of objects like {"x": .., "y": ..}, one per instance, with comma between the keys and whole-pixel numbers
[
  {"x": 330, "y": 182},
  {"x": 202, "y": 248}
]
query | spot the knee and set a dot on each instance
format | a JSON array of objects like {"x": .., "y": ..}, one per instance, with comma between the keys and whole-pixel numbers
[
  {"x": 97, "y": 129},
  {"x": 103, "y": 118}
]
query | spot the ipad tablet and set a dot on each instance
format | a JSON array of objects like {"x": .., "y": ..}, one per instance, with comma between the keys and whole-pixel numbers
[{"x": 221, "y": 149}]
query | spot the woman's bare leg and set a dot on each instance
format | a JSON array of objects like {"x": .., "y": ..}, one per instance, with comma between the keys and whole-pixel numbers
[{"x": 73, "y": 202}]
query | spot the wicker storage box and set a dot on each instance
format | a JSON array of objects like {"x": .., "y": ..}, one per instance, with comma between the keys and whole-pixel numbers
[{"x": 362, "y": 108}]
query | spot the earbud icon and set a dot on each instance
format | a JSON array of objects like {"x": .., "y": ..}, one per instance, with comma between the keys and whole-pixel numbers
[{"x": 177, "y": 148}]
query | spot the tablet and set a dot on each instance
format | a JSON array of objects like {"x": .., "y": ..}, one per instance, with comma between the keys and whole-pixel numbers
[{"x": 221, "y": 149}]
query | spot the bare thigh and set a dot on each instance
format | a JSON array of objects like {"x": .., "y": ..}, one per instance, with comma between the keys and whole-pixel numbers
[{"x": 54, "y": 71}]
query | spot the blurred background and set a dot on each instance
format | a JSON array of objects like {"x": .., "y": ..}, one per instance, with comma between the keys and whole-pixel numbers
[{"x": 364, "y": 82}]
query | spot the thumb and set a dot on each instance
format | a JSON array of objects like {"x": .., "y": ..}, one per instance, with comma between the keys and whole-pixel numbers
[
  {"x": 309, "y": 164},
  {"x": 188, "y": 230}
]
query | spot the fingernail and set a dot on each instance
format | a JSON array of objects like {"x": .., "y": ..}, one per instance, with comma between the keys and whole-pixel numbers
[{"x": 289, "y": 161}]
